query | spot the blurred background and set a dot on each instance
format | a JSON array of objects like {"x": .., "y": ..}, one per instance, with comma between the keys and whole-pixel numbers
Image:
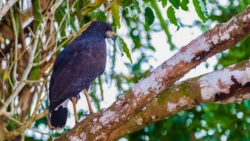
[{"x": 150, "y": 32}]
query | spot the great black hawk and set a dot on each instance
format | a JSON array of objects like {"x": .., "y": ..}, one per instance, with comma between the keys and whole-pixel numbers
[{"x": 75, "y": 68}]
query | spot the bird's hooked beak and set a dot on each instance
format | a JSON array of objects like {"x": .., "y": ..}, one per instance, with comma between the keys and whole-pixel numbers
[{"x": 111, "y": 34}]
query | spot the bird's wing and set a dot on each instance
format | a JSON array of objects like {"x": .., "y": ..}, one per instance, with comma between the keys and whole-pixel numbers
[{"x": 76, "y": 67}]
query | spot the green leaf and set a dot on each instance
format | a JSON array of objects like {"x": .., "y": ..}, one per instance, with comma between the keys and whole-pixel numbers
[
  {"x": 164, "y": 3},
  {"x": 200, "y": 9},
  {"x": 171, "y": 15},
  {"x": 126, "y": 2},
  {"x": 72, "y": 24},
  {"x": 184, "y": 4},
  {"x": 175, "y": 3},
  {"x": 100, "y": 16},
  {"x": 123, "y": 47},
  {"x": 149, "y": 15},
  {"x": 37, "y": 14},
  {"x": 115, "y": 14},
  {"x": 69, "y": 20}
]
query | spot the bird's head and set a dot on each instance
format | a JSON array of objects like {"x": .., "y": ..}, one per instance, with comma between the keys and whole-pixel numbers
[{"x": 102, "y": 28}]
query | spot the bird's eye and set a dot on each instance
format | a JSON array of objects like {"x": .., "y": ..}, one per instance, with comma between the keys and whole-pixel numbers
[{"x": 106, "y": 29}]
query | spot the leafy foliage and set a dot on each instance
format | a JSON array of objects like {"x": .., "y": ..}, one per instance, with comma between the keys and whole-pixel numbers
[
  {"x": 126, "y": 2},
  {"x": 171, "y": 15},
  {"x": 184, "y": 4},
  {"x": 100, "y": 16},
  {"x": 124, "y": 48},
  {"x": 175, "y": 3},
  {"x": 210, "y": 120},
  {"x": 163, "y": 2},
  {"x": 149, "y": 15},
  {"x": 115, "y": 13},
  {"x": 200, "y": 7}
]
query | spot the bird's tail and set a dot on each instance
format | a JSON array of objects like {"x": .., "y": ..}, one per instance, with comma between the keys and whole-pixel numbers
[{"x": 58, "y": 118}]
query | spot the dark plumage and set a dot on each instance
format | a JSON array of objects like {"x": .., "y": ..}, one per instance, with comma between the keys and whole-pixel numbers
[{"x": 75, "y": 68}]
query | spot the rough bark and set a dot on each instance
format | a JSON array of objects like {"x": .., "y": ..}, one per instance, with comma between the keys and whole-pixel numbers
[{"x": 99, "y": 126}]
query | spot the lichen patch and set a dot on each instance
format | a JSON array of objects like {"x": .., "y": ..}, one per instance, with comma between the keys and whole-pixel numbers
[
  {"x": 83, "y": 136},
  {"x": 139, "y": 121},
  {"x": 95, "y": 128},
  {"x": 108, "y": 116},
  {"x": 74, "y": 138},
  {"x": 222, "y": 81},
  {"x": 172, "y": 106},
  {"x": 152, "y": 117}
]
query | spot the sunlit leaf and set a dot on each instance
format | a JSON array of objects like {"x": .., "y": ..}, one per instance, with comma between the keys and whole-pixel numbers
[
  {"x": 6, "y": 74},
  {"x": 115, "y": 14},
  {"x": 163, "y": 2},
  {"x": 200, "y": 9},
  {"x": 175, "y": 3},
  {"x": 184, "y": 4},
  {"x": 123, "y": 47},
  {"x": 149, "y": 15},
  {"x": 171, "y": 15}
]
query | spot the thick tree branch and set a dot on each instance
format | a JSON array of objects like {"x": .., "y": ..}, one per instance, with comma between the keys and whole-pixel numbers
[
  {"x": 222, "y": 37},
  {"x": 188, "y": 94}
]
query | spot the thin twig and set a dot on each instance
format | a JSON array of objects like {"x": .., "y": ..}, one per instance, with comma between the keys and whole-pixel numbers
[
  {"x": 47, "y": 117},
  {"x": 109, "y": 6},
  {"x": 39, "y": 131},
  {"x": 40, "y": 93},
  {"x": 42, "y": 61},
  {"x": 48, "y": 40},
  {"x": 108, "y": 15},
  {"x": 9, "y": 78},
  {"x": 20, "y": 56},
  {"x": 15, "y": 48},
  {"x": 66, "y": 15},
  {"x": 32, "y": 33},
  {"x": 2, "y": 53},
  {"x": 23, "y": 77},
  {"x": 9, "y": 117},
  {"x": 33, "y": 81},
  {"x": 55, "y": 6}
]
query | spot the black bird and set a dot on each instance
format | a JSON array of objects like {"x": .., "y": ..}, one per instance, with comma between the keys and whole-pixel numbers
[{"x": 75, "y": 68}]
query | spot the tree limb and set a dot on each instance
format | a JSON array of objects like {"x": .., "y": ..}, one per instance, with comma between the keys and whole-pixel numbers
[{"x": 188, "y": 94}]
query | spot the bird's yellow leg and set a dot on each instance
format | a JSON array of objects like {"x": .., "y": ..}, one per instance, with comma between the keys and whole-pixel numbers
[
  {"x": 74, "y": 108},
  {"x": 88, "y": 101}
]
